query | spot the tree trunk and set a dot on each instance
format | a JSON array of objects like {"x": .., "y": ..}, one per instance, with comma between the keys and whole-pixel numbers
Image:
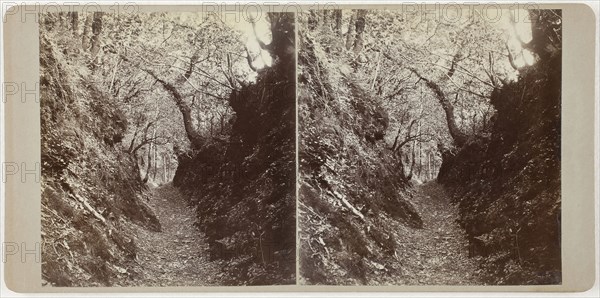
[
  {"x": 282, "y": 46},
  {"x": 85, "y": 37},
  {"x": 376, "y": 71},
  {"x": 75, "y": 23},
  {"x": 350, "y": 34},
  {"x": 164, "y": 164},
  {"x": 429, "y": 173},
  {"x": 168, "y": 166},
  {"x": 325, "y": 19},
  {"x": 96, "y": 34},
  {"x": 194, "y": 137},
  {"x": 154, "y": 157},
  {"x": 141, "y": 160},
  {"x": 114, "y": 75},
  {"x": 360, "y": 28},
  {"x": 130, "y": 149},
  {"x": 151, "y": 146},
  {"x": 544, "y": 42},
  {"x": 412, "y": 164},
  {"x": 148, "y": 163},
  {"x": 433, "y": 170},
  {"x": 337, "y": 14},
  {"x": 458, "y": 136}
]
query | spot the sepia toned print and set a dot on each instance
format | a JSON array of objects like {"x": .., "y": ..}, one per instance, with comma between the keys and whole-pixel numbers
[
  {"x": 429, "y": 147},
  {"x": 389, "y": 196},
  {"x": 167, "y": 149}
]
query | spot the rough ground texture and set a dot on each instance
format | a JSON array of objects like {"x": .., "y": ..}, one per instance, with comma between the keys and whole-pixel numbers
[
  {"x": 177, "y": 255},
  {"x": 90, "y": 188},
  {"x": 438, "y": 253},
  {"x": 245, "y": 187},
  {"x": 350, "y": 189},
  {"x": 508, "y": 185}
]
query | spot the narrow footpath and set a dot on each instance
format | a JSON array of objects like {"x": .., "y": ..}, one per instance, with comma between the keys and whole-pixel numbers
[
  {"x": 176, "y": 256},
  {"x": 438, "y": 253}
]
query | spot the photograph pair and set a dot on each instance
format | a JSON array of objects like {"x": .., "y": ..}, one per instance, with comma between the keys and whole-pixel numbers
[{"x": 379, "y": 146}]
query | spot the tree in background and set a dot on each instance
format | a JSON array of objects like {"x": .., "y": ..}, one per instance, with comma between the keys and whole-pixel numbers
[
  {"x": 448, "y": 69},
  {"x": 162, "y": 69}
]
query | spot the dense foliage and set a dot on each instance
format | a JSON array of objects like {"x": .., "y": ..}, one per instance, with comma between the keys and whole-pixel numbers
[
  {"x": 397, "y": 98},
  {"x": 130, "y": 99},
  {"x": 386, "y": 101},
  {"x": 244, "y": 185},
  {"x": 507, "y": 184},
  {"x": 90, "y": 187},
  {"x": 350, "y": 186}
]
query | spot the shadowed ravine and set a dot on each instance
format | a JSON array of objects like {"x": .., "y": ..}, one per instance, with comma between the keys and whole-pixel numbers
[{"x": 436, "y": 254}]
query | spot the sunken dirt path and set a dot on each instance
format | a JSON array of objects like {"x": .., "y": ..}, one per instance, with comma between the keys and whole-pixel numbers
[
  {"x": 438, "y": 253},
  {"x": 176, "y": 256}
]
